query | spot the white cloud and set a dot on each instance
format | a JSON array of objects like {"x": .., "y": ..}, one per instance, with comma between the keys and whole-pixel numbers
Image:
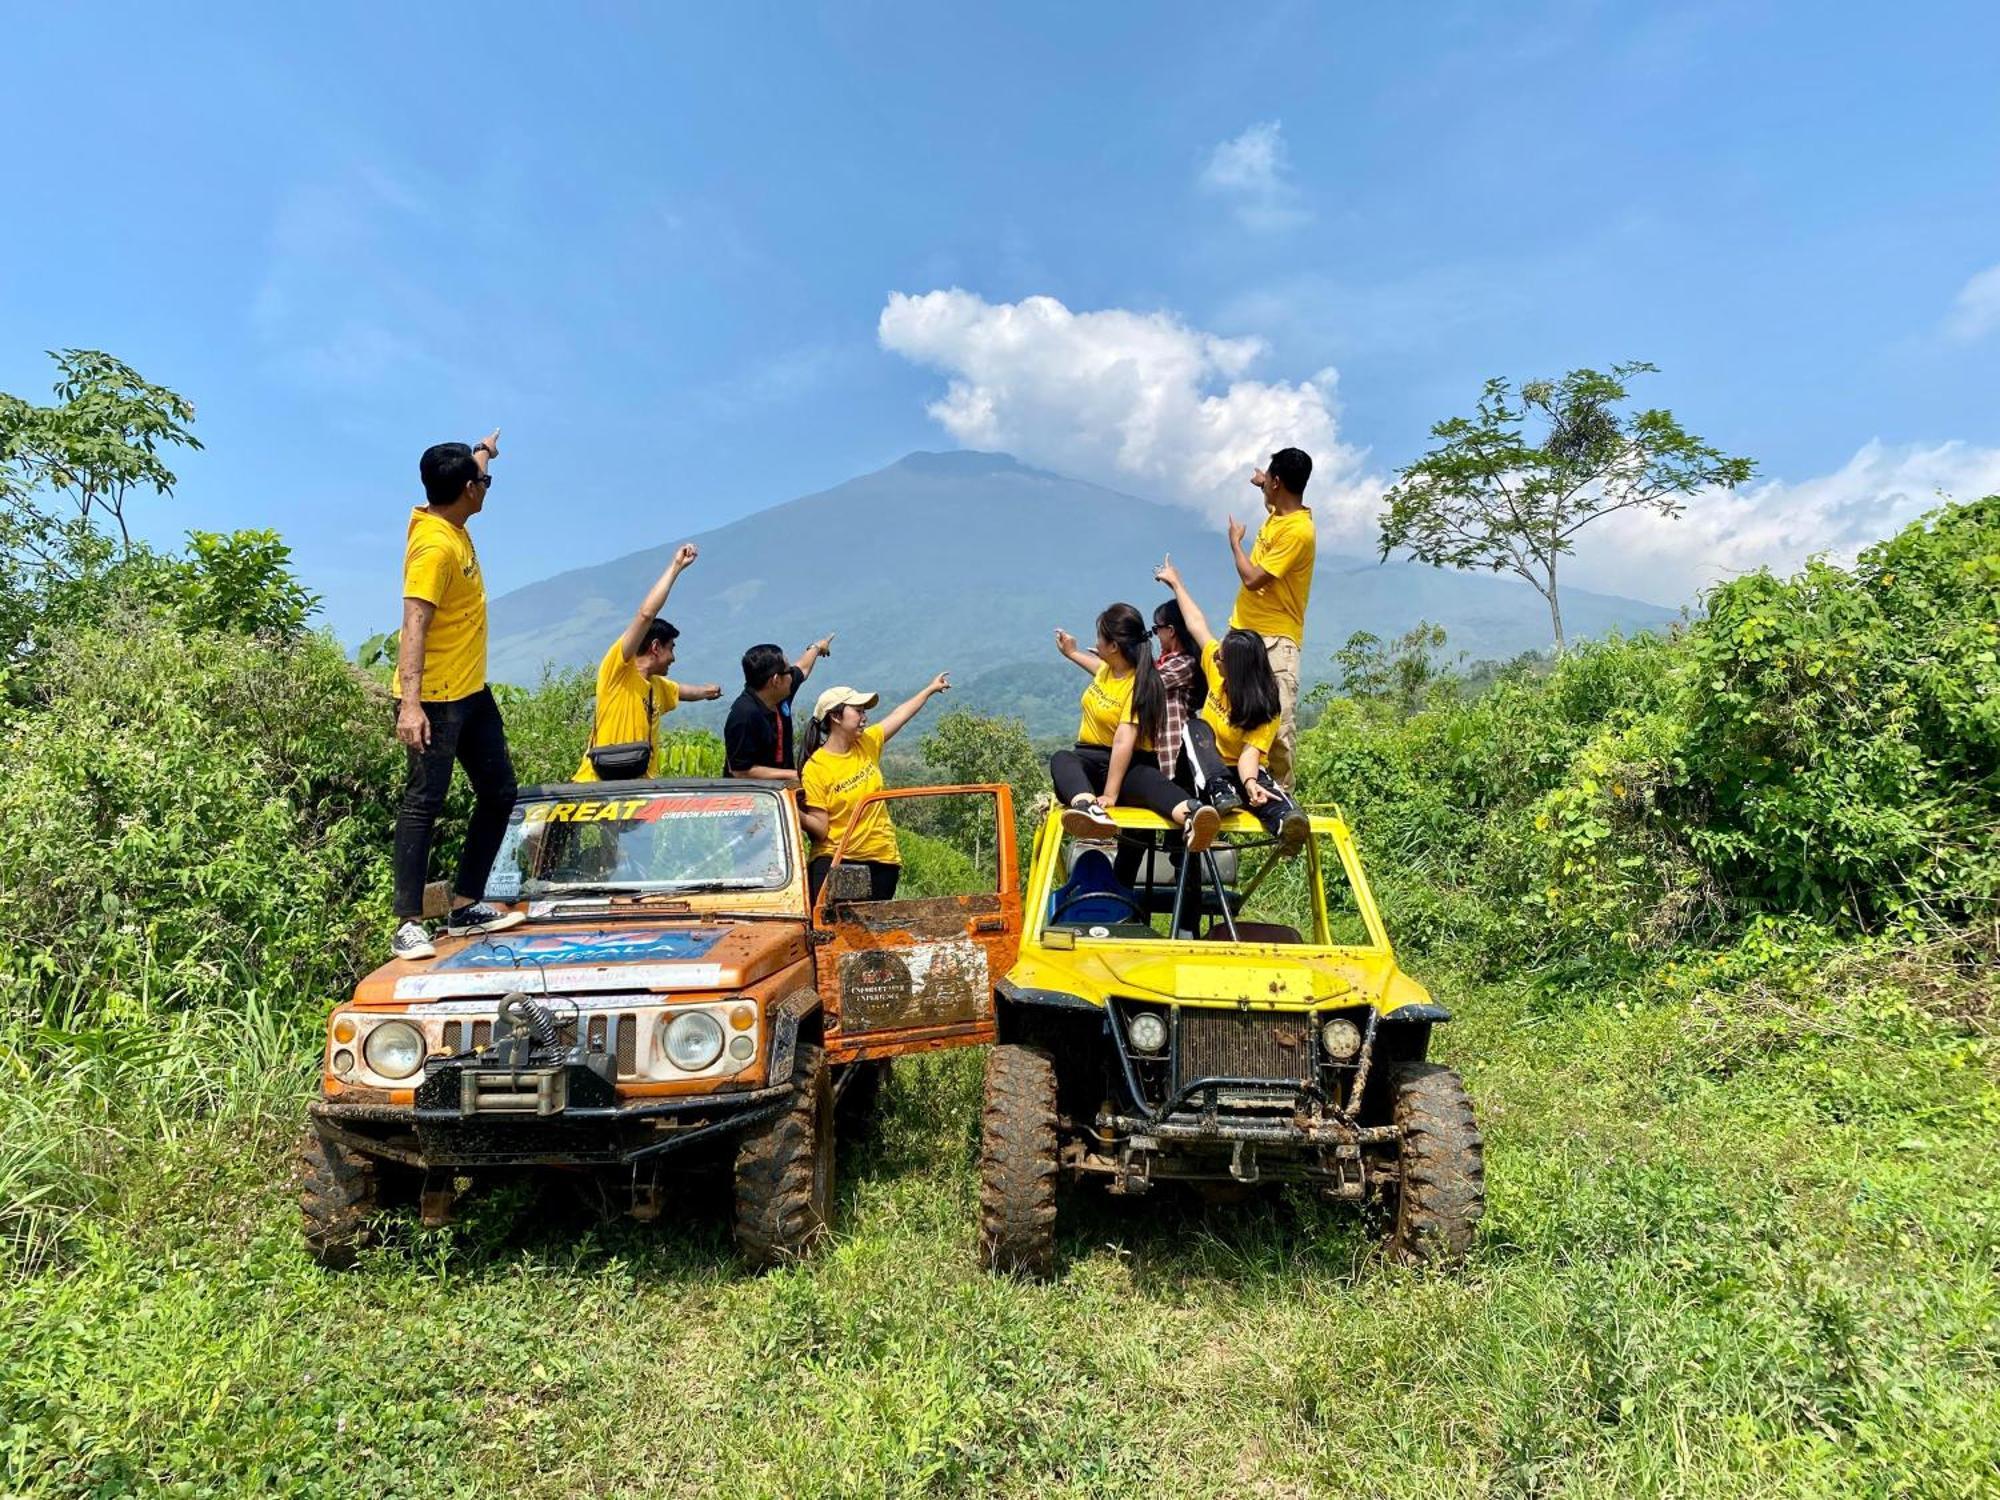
[
  {"x": 1253, "y": 172},
  {"x": 1975, "y": 312},
  {"x": 1776, "y": 524},
  {"x": 1135, "y": 400}
]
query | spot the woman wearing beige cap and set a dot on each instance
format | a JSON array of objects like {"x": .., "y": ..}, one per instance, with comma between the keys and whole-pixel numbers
[{"x": 841, "y": 763}]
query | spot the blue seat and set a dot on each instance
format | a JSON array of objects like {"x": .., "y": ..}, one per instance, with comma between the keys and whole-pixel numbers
[{"x": 1092, "y": 876}]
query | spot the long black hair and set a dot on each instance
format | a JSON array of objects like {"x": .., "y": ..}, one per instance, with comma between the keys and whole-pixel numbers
[
  {"x": 1125, "y": 628},
  {"x": 1248, "y": 681},
  {"x": 814, "y": 738},
  {"x": 1168, "y": 613}
]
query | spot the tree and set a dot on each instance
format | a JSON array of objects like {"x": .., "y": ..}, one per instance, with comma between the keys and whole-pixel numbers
[
  {"x": 1493, "y": 495},
  {"x": 97, "y": 448},
  {"x": 1403, "y": 675},
  {"x": 967, "y": 747}
]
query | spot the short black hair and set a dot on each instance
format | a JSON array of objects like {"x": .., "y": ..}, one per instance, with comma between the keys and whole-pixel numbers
[
  {"x": 761, "y": 664},
  {"x": 446, "y": 469},
  {"x": 659, "y": 633},
  {"x": 1291, "y": 467}
]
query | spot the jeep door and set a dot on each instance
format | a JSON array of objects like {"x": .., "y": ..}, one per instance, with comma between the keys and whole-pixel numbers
[{"x": 917, "y": 972}]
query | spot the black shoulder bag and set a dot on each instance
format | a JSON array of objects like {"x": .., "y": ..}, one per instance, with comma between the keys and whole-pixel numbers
[{"x": 627, "y": 761}]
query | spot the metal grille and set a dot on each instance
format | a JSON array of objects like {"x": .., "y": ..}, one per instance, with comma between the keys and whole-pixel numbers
[
  {"x": 1244, "y": 1044},
  {"x": 464, "y": 1036}
]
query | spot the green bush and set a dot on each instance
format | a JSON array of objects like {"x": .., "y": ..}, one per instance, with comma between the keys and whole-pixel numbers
[{"x": 193, "y": 818}]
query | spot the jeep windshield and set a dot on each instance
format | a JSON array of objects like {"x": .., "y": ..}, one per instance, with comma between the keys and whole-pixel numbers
[
  {"x": 1248, "y": 891},
  {"x": 635, "y": 841}
]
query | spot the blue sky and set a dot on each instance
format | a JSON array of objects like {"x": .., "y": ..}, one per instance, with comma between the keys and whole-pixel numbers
[{"x": 659, "y": 247}]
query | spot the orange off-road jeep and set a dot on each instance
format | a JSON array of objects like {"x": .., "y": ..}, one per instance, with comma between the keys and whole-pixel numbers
[{"x": 671, "y": 994}]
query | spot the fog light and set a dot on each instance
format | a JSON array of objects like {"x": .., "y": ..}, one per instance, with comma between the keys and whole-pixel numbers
[
  {"x": 343, "y": 1062},
  {"x": 692, "y": 1040},
  {"x": 740, "y": 1048},
  {"x": 743, "y": 1017},
  {"x": 1148, "y": 1033},
  {"x": 1341, "y": 1038},
  {"x": 395, "y": 1049}
]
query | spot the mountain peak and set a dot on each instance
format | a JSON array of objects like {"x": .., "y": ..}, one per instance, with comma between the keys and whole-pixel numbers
[{"x": 961, "y": 462}]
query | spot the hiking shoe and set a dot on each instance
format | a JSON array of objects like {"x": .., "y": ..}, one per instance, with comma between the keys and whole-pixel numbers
[
  {"x": 1225, "y": 801},
  {"x": 411, "y": 941},
  {"x": 1293, "y": 831},
  {"x": 481, "y": 916},
  {"x": 1088, "y": 820},
  {"x": 1202, "y": 826}
]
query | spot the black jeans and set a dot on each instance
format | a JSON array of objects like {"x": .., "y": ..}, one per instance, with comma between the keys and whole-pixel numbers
[
  {"x": 1086, "y": 768},
  {"x": 882, "y": 877},
  {"x": 469, "y": 731}
]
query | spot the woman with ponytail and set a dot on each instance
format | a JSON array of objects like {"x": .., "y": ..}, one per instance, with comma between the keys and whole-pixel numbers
[{"x": 1124, "y": 715}]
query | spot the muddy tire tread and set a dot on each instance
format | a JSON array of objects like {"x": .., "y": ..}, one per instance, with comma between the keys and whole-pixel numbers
[
  {"x": 1017, "y": 1163},
  {"x": 338, "y": 1200},
  {"x": 1442, "y": 1194},
  {"x": 777, "y": 1220}
]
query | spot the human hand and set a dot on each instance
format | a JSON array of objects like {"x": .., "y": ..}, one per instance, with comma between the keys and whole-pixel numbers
[
  {"x": 413, "y": 726},
  {"x": 706, "y": 692},
  {"x": 824, "y": 645},
  {"x": 1236, "y": 532},
  {"x": 491, "y": 442},
  {"x": 1167, "y": 573},
  {"x": 685, "y": 554},
  {"x": 940, "y": 683},
  {"x": 1065, "y": 642},
  {"x": 1254, "y": 793}
]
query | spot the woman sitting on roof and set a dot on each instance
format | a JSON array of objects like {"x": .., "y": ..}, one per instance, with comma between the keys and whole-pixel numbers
[
  {"x": 1124, "y": 711},
  {"x": 1242, "y": 713},
  {"x": 841, "y": 764}
]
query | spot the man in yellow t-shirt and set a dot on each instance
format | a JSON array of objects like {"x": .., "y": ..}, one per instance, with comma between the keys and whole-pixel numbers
[
  {"x": 445, "y": 712},
  {"x": 1276, "y": 577},
  {"x": 633, "y": 691}
]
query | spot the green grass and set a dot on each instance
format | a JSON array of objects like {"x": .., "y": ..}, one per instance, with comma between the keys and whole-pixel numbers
[{"x": 1736, "y": 1244}]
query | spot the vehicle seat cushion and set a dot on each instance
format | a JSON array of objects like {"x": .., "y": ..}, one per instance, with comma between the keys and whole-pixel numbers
[
  {"x": 1091, "y": 875},
  {"x": 1255, "y": 932}
]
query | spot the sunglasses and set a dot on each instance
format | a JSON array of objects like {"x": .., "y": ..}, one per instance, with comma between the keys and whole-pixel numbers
[{"x": 484, "y": 481}]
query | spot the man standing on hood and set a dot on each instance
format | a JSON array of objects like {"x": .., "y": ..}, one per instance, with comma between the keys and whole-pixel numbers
[{"x": 445, "y": 711}]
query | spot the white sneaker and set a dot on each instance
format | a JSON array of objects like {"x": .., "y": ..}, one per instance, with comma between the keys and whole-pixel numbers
[{"x": 411, "y": 941}]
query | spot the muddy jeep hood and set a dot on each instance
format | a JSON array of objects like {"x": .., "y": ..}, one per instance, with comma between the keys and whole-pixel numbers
[{"x": 592, "y": 959}]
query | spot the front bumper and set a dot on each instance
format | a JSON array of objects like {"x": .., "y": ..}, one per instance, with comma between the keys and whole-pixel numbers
[{"x": 558, "y": 1116}]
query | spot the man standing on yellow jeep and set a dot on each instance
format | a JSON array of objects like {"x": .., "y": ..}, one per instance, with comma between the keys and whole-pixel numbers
[
  {"x": 445, "y": 711},
  {"x": 1276, "y": 576}
]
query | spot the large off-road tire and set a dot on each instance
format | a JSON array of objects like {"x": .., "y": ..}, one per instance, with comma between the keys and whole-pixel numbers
[
  {"x": 1442, "y": 1191},
  {"x": 338, "y": 1200},
  {"x": 856, "y": 1110},
  {"x": 784, "y": 1169},
  {"x": 1017, "y": 1163}
]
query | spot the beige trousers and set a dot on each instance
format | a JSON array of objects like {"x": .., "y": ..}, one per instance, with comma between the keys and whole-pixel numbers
[{"x": 1284, "y": 654}]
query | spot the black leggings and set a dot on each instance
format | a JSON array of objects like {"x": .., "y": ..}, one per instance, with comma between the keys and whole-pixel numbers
[
  {"x": 882, "y": 876},
  {"x": 1214, "y": 775},
  {"x": 469, "y": 731},
  {"x": 1086, "y": 768}
]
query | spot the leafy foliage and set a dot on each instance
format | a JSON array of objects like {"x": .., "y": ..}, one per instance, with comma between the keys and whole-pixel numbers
[{"x": 1491, "y": 495}]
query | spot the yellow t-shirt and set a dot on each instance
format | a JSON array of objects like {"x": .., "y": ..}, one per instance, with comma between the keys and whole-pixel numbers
[
  {"x": 440, "y": 567},
  {"x": 835, "y": 784},
  {"x": 1284, "y": 548},
  {"x": 1107, "y": 703},
  {"x": 620, "y": 715},
  {"x": 1215, "y": 713}
]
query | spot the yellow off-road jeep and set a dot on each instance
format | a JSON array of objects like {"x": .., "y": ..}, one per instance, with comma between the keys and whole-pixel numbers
[{"x": 1231, "y": 1018}]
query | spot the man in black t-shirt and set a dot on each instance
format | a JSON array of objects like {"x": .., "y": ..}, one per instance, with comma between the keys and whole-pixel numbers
[{"x": 757, "y": 737}]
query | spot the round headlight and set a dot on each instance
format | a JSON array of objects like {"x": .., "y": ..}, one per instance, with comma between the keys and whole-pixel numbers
[
  {"x": 1147, "y": 1031},
  {"x": 1341, "y": 1038},
  {"x": 343, "y": 1062},
  {"x": 692, "y": 1040},
  {"x": 395, "y": 1049},
  {"x": 741, "y": 1048}
]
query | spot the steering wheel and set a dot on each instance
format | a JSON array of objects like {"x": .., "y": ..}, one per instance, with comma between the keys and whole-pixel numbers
[{"x": 1076, "y": 898}]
